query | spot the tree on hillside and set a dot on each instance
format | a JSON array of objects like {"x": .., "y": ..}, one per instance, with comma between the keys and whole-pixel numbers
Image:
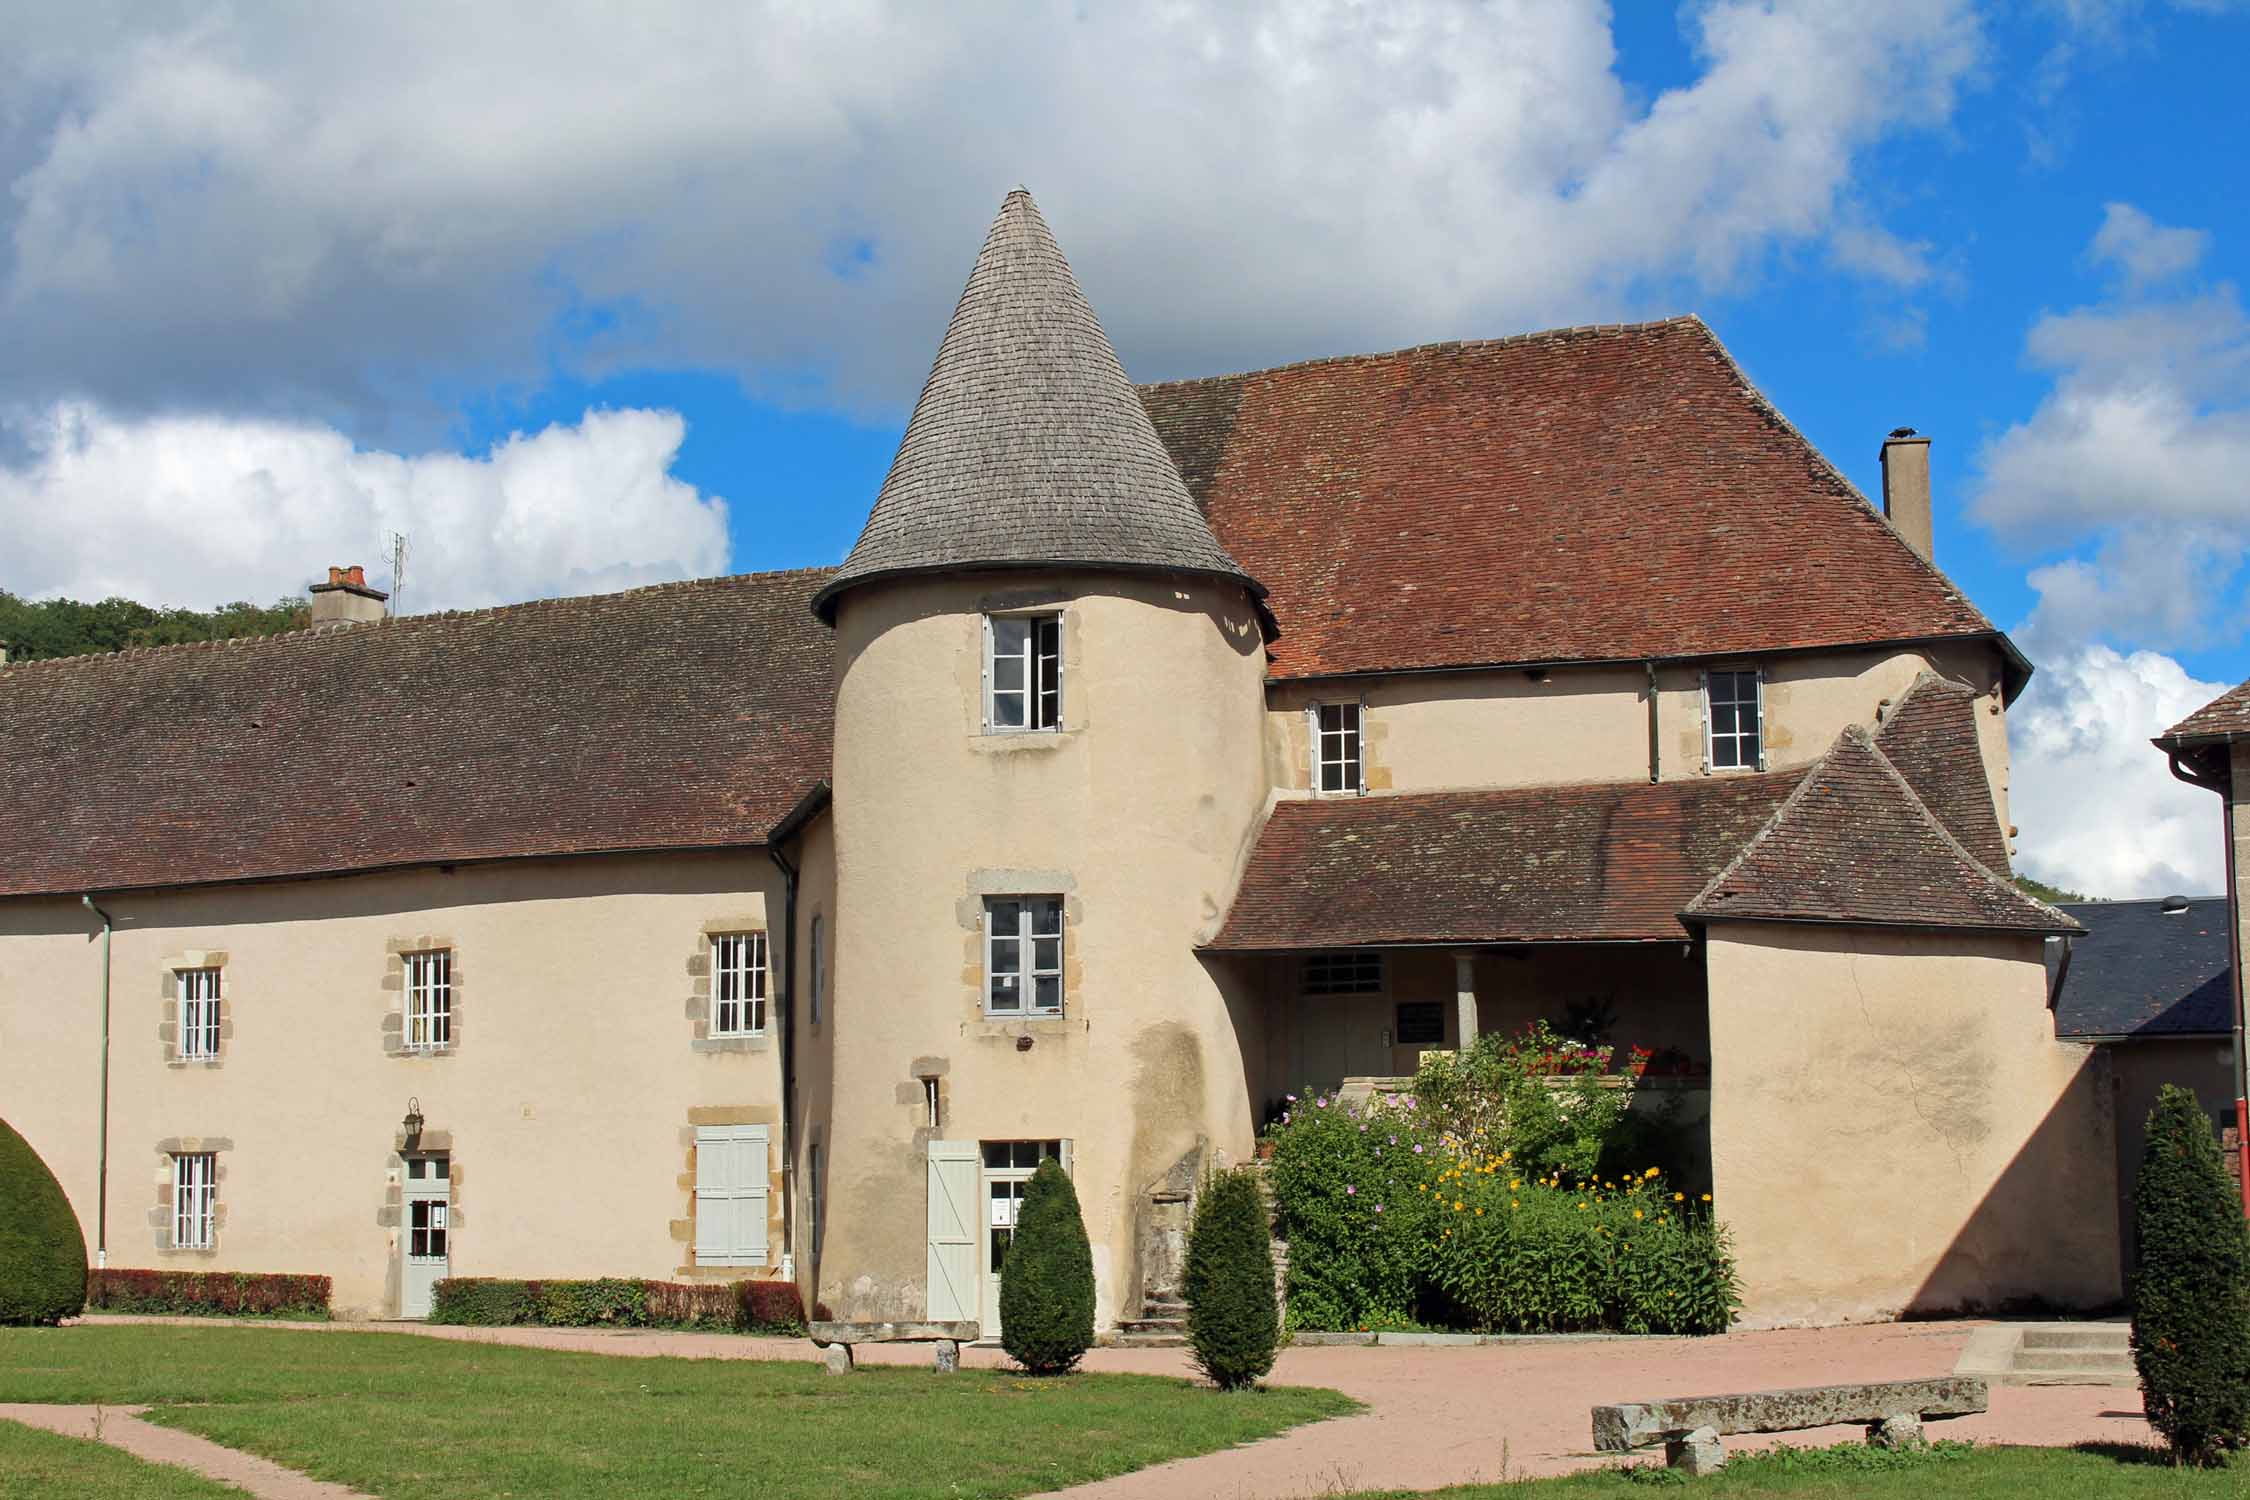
[{"x": 2051, "y": 894}]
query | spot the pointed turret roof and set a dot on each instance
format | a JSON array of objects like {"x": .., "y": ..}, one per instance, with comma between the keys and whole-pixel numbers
[{"x": 1029, "y": 447}]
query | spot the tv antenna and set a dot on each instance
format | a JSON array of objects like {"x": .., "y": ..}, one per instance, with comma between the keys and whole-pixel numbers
[{"x": 396, "y": 547}]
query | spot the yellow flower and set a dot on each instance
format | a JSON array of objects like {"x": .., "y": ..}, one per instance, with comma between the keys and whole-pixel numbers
[
  {"x": 1456, "y": 1205},
  {"x": 1515, "y": 1184},
  {"x": 1581, "y": 1205},
  {"x": 1514, "y": 1203},
  {"x": 1480, "y": 1213},
  {"x": 1679, "y": 1197},
  {"x": 1651, "y": 1172},
  {"x": 1636, "y": 1213},
  {"x": 1707, "y": 1197}
]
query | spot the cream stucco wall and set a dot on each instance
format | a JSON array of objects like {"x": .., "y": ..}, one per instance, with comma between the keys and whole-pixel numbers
[
  {"x": 1894, "y": 1127},
  {"x": 1432, "y": 731},
  {"x": 1137, "y": 812},
  {"x": 567, "y": 1102}
]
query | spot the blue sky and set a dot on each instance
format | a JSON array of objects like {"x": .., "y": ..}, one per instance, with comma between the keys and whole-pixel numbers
[{"x": 543, "y": 294}]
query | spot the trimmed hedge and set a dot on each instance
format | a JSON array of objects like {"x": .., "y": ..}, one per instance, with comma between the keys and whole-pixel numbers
[
  {"x": 1233, "y": 1323},
  {"x": 731, "y": 1307},
  {"x": 1047, "y": 1281},
  {"x": 215, "y": 1294},
  {"x": 42, "y": 1249},
  {"x": 2191, "y": 1286}
]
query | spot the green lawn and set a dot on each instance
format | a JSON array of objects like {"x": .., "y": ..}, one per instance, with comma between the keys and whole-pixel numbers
[
  {"x": 41, "y": 1464},
  {"x": 403, "y": 1416},
  {"x": 1952, "y": 1472}
]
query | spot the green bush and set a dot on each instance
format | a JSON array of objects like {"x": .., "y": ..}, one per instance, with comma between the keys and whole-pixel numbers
[
  {"x": 1232, "y": 1323},
  {"x": 42, "y": 1249},
  {"x": 767, "y": 1306},
  {"x": 484, "y": 1302},
  {"x": 1047, "y": 1280},
  {"x": 214, "y": 1294},
  {"x": 2191, "y": 1286},
  {"x": 1357, "y": 1230},
  {"x": 584, "y": 1304},
  {"x": 1550, "y": 1102}
]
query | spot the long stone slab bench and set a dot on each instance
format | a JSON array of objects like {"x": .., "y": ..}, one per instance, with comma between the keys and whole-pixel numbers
[
  {"x": 839, "y": 1338},
  {"x": 1690, "y": 1426}
]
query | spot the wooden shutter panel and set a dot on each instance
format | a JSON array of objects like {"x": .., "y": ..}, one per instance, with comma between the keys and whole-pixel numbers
[
  {"x": 731, "y": 1166},
  {"x": 954, "y": 1292}
]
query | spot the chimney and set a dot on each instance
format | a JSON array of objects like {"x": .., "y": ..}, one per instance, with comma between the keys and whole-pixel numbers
[
  {"x": 345, "y": 599},
  {"x": 1906, "y": 487}
]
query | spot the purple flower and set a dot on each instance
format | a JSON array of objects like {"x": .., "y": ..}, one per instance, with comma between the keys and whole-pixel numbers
[
  {"x": 1322, "y": 1101},
  {"x": 1394, "y": 1140},
  {"x": 1349, "y": 1190},
  {"x": 1363, "y": 1128},
  {"x": 1417, "y": 1148},
  {"x": 1378, "y": 1208}
]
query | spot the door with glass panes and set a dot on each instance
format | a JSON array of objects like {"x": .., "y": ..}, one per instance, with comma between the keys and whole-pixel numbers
[
  {"x": 424, "y": 1244},
  {"x": 1008, "y": 1166}
]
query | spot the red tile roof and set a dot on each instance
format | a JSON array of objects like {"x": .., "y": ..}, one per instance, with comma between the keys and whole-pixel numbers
[
  {"x": 1588, "y": 494},
  {"x": 1607, "y": 863},
  {"x": 1854, "y": 846},
  {"x": 2225, "y": 716},
  {"x": 1930, "y": 735},
  {"x": 685, "y": 715}
]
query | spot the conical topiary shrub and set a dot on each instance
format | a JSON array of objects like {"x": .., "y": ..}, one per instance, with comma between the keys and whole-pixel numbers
[
  {"x": 2191, "y": 1286},
  {"x": 42, "y": 1250},
  {"x": 1047, "y": 1281},
  {"x": 1233, "y": 1323}
]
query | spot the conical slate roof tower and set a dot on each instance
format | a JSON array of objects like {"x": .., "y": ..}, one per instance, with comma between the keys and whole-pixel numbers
[{"x": 1029, "y": 448}]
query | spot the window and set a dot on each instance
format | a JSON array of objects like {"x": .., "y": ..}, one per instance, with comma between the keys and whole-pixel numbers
[
  {"x": 427, "y": 1210},
  {"x": 738, "y": 986},
  {"x": 1008, "y": 1166},
  {"x": 1336, "y": 763},
  {"x": 1357, "y": 973},
  {"x": 199, "y": 1012},
  {"x": 1421, "y": 1023},
  {"x": 195, "y": 1197},
  {"x": 819, "y": 966},
  {"x": 730, "y": 1195},
  {"x": 1022, "y": 672},
  {"x": 429, "y": 1000},
  {"x": 1023, "y": 951},
  {"x": 1733, "y": 717}
]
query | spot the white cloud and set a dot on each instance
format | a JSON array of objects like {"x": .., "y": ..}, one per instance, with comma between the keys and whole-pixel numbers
[
  {"x": 197, "y": 511},
  {"x": 321, "y": 206},
  {"x": 2148, "y": 251},
  {"x": 2099, "y": 810}
]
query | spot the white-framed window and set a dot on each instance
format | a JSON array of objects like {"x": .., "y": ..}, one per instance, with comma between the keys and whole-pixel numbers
[
  {"x": 1356, "y": 972},
  {"x": 1023, "y": 955},
  {"x": 1734, "y": 719},
  {"x": 429, "y": 1000},
  {"x": 731, "y": 1173},
  {"x": 1022, "y": 672},
  {"x": 195, "y": 1200},
  {"x": 738, "y": 984},
  {"x": 817, "y": 943},
  {"x": 1337, "y": 766},
  {"x": 1008, "y": 1166},
  {"x": 199, "y": 1012}
]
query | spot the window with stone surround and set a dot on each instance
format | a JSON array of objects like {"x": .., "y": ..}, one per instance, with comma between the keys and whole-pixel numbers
[
  {"x": 1022, "y": 673},
  {"x": 429, "y": 1000},
  {"x": 195, "y": 1200},
  {"x": 1023, "y": 955},
  {"x": 199, "y": 1012},
  {"x": 738, "y": 984},
  {"x": 1337, "y": 764}
]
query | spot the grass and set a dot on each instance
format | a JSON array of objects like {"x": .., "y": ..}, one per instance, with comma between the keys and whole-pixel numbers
[
  {"x": 407, "y": 1417},
  {"x": 47, "y": 1465},
  {"x": 1946, "y": 1471}
]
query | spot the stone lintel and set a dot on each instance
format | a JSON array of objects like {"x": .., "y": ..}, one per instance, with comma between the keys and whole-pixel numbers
[
  {"x": 1640, "y": 1424},
  {"x": 895, "y": 1333}
]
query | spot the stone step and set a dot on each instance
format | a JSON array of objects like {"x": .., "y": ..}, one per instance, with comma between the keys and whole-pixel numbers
[
  {"x": 2074, "y": 1361},
  {"x": 1174, "y": 1326},
  {"x": 2117, "y": 1336},
  {"x": 1150, "y": 1341},
  {"x": 1153, "y": 1309}
]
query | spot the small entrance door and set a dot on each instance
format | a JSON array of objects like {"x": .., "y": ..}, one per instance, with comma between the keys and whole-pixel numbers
[
  {"x": 425, "y": 1240},
  {"x": 1008, "y": 1166}
]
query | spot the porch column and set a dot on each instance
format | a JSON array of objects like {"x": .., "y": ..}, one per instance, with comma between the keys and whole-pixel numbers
[{"x": 1465, "y": 997}]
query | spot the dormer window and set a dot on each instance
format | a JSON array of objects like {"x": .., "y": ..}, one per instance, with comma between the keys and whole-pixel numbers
[
  {"x": 1337, "y": 766},
  {"x": 1022, "y": 673},
  {"x": 1734, "y": 720}
]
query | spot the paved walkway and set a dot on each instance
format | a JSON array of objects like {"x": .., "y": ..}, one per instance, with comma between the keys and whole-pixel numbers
[
  {"x": 1446, "y": 1415},
  {"x": 121, "y": 1427}
]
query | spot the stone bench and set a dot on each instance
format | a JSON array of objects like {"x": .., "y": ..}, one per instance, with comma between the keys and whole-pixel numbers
[
  {"x": 839, "y": 1338},
  {"x": 1690, "y": 1427}
]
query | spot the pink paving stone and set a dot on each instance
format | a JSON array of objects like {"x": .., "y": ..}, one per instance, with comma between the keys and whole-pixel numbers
[{"x": 121, "y": 1427}]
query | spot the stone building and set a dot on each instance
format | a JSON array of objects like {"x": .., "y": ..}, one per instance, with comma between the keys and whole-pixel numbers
[{"x": 1155, "y": 751}]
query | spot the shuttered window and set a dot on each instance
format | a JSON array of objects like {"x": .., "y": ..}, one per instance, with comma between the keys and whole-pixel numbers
[
  {"x": 731, "y": 1173},
  {"x": 199, "y": 1012}
]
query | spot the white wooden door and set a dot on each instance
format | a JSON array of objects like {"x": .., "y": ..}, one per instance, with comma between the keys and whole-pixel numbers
[
  {"x": 1008, "y": 1166},
  {"x": 426, "y": 1237},
  {"x": 954, "y": 1221}
]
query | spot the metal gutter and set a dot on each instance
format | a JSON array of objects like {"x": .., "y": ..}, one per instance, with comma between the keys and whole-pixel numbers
[{"x": 101, "y": 1191}]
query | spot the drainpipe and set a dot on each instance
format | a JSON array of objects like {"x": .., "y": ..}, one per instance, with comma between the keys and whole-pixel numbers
[
  {"x": 1654, "y": 765},
  {"x": 101, "y": 1191},
  {"x": 2222, "y": 783}
]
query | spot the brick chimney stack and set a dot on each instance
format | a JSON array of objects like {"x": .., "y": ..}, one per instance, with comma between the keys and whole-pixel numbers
[
  {"x": 1906, "y": 488},
  {"x": 345, "y": 599}
]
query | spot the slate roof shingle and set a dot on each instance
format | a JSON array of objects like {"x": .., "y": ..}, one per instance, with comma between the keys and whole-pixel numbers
[
  {"x": 1028, "y": 446},
  {"x": 683, "y": 715},
  {"x": 2224, "y": 716},
  {"x": 1930, "y": 735},
  {"x": 1600, "y": 863},
  {"x": 1853, "y": 845},
  {"x": 1587, "y": 494},
  {"x": 2142, "y": 972}
]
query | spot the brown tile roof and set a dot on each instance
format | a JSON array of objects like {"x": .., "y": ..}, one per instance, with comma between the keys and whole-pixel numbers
[
  {"x": 1573, "y": 863},
  {"x": 685, "y": 715},
  {"x": 1853, "y": 845},
  {"x": 1028, "y": 446},
  {"x": 2224, "y": 716},
  {"x": 1588, "y": 494},
  {"x": 1930, "y": 735}
]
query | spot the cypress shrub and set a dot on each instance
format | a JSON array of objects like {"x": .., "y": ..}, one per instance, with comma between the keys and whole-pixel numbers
[
  {"x": 1047, "y": 1281},
  {"x": 2191, "y": 1286},
  {"x": 1232, "y": 1323},
  {"x": 42, "y": 1250}
]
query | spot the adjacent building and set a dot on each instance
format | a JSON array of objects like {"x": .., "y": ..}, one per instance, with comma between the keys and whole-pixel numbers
[{"x": 1156, "y": 751}]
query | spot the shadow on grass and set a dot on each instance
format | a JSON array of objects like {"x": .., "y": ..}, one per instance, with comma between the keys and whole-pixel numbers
[{"x": 2146, "y": 1455}]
